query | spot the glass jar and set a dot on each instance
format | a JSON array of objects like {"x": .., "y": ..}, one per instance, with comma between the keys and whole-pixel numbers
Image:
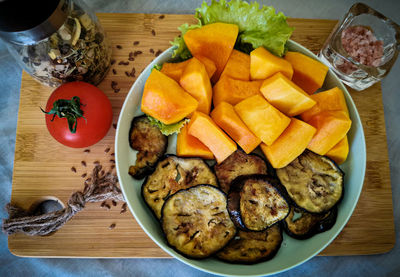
[
  {"x": 68, "y": 45},
  {"x": 362, "y": 47}
]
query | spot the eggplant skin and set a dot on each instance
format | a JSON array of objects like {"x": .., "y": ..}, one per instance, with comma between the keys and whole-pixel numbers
[
  {"x": 256, "y": 202},
  {"x": 313, "y": 182},
  {"x": 174, "y": 173},
  {"x": 238, "y": 163},
  {"x": 249, "y": 247},
  {"x": 150, "y": 143},
  {"x": 308, "y": 224},
  {"x": 196, "y": 222}
]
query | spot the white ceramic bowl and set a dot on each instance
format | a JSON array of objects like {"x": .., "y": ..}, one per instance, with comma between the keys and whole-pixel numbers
[{"x": 292, "y": 252}]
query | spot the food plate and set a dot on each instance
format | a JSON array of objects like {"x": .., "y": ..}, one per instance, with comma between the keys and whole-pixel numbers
[{"x": 292, "y": 252}]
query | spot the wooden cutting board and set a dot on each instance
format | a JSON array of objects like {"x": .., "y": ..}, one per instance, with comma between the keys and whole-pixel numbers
[{"x": 42, "y": 167}]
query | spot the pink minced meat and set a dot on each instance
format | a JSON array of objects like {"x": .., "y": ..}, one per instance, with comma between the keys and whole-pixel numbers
[{"x": 362, "y": 45}]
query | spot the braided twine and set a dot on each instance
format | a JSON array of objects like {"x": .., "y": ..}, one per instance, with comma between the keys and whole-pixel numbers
[{"x": 101, "y": 186}]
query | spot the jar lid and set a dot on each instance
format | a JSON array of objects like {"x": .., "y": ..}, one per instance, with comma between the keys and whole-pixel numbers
[{"x": 27, "y": 21}]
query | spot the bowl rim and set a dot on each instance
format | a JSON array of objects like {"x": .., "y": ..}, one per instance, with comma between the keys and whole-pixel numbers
[{"x": 171, "y": 251}]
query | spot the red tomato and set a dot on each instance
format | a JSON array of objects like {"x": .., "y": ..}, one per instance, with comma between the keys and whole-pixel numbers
[{"x": 96, "y": 110}]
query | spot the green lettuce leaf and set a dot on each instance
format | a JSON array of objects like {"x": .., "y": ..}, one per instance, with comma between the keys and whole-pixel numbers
[
  {"x": 181, "y": 49},
  {"x": 257, "y": 26},
  {"x": 170, "y": 128},
  {"x": 157, "y": 67}
]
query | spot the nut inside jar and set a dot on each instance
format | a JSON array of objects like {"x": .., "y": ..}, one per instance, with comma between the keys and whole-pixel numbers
[{"x": 78, "y": 51}]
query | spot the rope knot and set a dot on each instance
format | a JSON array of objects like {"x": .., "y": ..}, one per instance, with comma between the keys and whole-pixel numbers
[{"x": 76, "y": 202}]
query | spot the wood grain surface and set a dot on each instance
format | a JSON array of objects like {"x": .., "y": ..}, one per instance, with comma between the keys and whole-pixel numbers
[{"x": 42, "y": 166}]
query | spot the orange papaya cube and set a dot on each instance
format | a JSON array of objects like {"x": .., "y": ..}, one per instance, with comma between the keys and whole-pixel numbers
[
  {"x": 233, "y": 91},
  {"x": 238, "y": 66},
  {"x": 175, "y": 70},
  {"x": 214, "y": 41},
  {"x": 189, "y": 146},
  {"x": 328, "y": 100},
  {"x": 309, "y": 74},
  {"x": 264, "y": 64},
  {"x": 331, "y": 127},
  {"x": 340, "y": 151},
  {"x": 209, "y": 64},
  {"x": 165, "y": 100},
  {"x": 290, "y": 144},
  {"x": 204, "y": 129},
  {"x": 225, "y": 117},
  {"x": 284, "y": 95},
  {"x": 263, "y": 119},
  {"x": 195, "y": 81}
]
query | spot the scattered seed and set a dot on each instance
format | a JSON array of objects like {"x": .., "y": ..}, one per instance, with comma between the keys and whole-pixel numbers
[
  {"x": 107, "y": 150},
  {"x": 119, "y": 46},
  {"x": 103, "y": 204},
  {"x": 112, "y": 161},
  {"x": 112, "y": 154},
  {"x": 123, "y": 208},
  {"x": 158, "y": 52},
  {"x": 161, "y": 16},
  {"x": 83, "y": 163},
  {"x": 123, "y": 63},
  {"x": 153, "y": 32},
  {"x": 113, "y": 61},
  {"x": 83, "y": 175},
  {"x": 114, "y": 86},
  {"x": 112, "y": 166},
  {"x": 138, "y": 52},
  {"x": 133, "y": 71},
  {"x": 131, "y": 59},
  {"x": 127, "y": 74},
  {"x": 151, "y": 50},
  {"x": 112, "y": 226},
  {"x": 73, "y": 169},
  {"x": 96, "y": 163},
  {"x": 114, "y": 126},
  {"x": 114, "y": 71},
  {"x": 86, "y": 150},
  {"x": 108, "y": 207},
  {"x": 136, "y": 43},
  {"x": 114, "y": 203}
]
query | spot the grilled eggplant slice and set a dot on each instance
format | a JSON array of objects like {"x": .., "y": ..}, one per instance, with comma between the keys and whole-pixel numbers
[
  {"x": 196, "y": 222},
  {"x": 300, "y": 224},
  {"x": 255, "y": 202},
  {"x": 239, "y": 163},
  {"x": 173, "y": 174},
  {"x": 313, "y": 182},
  {"x": 252, "y": 247},
  {"x": 151, "y": 144}
]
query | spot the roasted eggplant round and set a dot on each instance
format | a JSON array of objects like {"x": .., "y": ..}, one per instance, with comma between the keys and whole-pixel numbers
[
  {"x": 255, "y": 202},
  {"x": 173, "y": 174},
  {"x": 313, "y": 182},
  {"x": 239, "y": 163},
  {"x": 300, "y": 224},
  {"x": 150, "y": 143},
  {"x": 196, "y": 222},
  {"x": 249, "y": 247}
]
